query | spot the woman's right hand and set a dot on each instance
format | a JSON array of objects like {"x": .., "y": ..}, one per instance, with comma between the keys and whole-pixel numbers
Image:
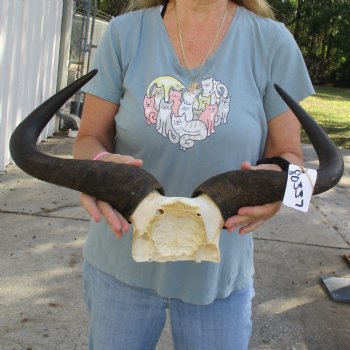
[{"x": 96, "y": 208}]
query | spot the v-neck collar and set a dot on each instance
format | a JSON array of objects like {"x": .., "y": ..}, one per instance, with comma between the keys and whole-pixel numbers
[{"x": 211, "y": 60}]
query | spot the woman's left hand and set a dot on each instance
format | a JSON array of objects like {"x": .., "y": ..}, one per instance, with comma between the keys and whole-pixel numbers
[{"x": 251, "y": 218}]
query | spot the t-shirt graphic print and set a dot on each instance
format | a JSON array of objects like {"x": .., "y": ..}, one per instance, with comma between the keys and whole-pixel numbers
[{"x": 185, "y": 116}]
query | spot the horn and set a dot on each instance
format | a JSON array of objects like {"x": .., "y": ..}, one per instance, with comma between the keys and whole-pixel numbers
[
  {"x": 127, "y": 185},
  {"x": 235, "y": 189},
  {"x": 331, "y": 163}
]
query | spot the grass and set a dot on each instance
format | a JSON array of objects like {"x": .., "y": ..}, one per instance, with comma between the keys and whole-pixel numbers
[{"x": 331, "y": 109}]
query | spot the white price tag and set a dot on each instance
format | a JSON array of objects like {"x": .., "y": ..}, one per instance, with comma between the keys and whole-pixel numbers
[{"x": 300, "y": 186}]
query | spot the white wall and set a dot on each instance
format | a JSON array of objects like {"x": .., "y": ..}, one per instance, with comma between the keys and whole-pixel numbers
[{"x": 29, "y": 49}]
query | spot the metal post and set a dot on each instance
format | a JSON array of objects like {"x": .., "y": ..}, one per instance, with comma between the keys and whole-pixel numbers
[
  {"x": 84, "y": 48},
  {"x": 66, "y": 30},
  {"x": 65, "y": 40},
  {"x": 92, "y": 34}
]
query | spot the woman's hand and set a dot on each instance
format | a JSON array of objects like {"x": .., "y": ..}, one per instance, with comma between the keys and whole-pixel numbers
[
  {"x": 96, "y": 208},
  {"x": 251, "y": 218},
  {"x": 283, "y": 139}
]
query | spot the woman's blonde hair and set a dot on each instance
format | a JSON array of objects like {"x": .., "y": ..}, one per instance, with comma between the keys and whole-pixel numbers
[{"x": 259, "y": 7}]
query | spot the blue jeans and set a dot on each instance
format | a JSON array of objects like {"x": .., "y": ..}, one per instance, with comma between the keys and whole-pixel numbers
[{"x": 130, "y": 318}]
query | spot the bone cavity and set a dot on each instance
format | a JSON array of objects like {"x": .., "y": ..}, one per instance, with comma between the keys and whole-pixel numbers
[{"x": 176, "y": 228}]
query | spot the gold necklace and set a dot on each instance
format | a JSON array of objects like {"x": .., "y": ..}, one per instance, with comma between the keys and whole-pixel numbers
[{"x": 194, "y": 78}]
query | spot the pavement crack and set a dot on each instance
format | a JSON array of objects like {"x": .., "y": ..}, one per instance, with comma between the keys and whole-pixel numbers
[
  {"x": 43, "y": 214},
  {"x": 52, "y": 210},
  {"x": 298, "y": 243}
]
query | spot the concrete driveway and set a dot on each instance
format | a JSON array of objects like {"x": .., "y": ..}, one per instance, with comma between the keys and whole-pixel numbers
[{"x": 43, "y": 229}]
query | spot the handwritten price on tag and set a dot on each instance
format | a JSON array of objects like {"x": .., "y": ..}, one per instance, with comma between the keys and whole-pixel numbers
[
  {"x": 299, "y": 189},
  {"x": 297, "y": 185}
]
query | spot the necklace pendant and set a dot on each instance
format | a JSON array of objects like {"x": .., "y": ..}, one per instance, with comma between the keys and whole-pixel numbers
[{"x": 193, "y": 86}]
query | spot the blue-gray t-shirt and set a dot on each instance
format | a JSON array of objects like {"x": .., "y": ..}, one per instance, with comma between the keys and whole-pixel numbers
[{"x": 184, "y": 136}]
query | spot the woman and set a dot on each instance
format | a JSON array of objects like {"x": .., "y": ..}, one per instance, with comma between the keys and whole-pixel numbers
[{"x": 185, "y": 91}]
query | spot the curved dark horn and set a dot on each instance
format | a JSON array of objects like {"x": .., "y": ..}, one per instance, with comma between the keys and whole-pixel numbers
[
  {"x": 235, "y": 189},
  {"x": 331, "y": 163},
  {"x": 127, "y": 185}
]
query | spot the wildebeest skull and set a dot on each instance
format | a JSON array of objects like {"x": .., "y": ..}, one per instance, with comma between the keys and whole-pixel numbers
[{"x": 167, "y": 228}]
